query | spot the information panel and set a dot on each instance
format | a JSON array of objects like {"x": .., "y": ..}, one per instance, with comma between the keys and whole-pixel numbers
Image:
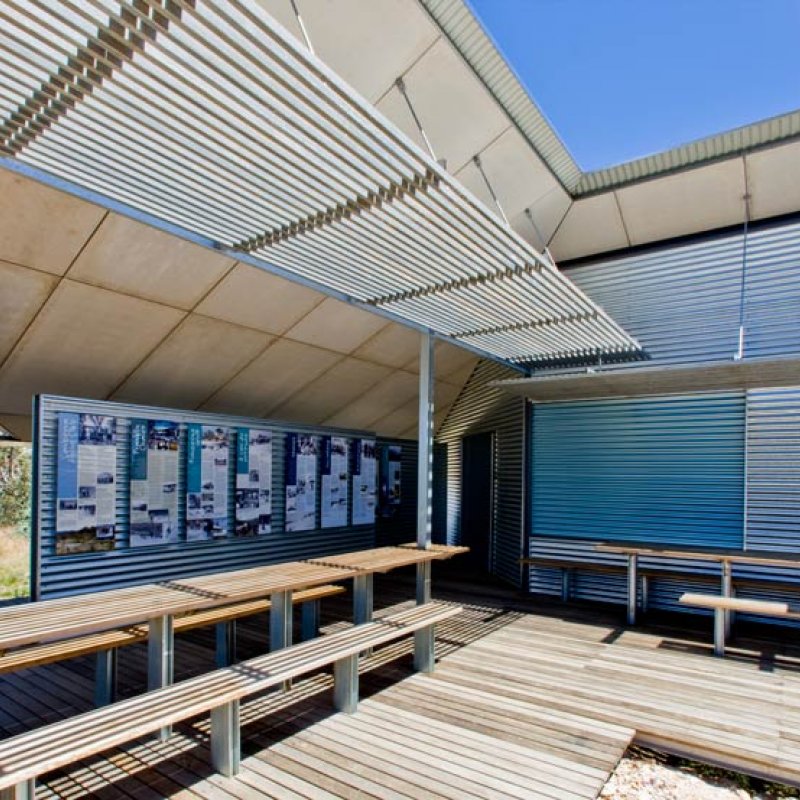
[
  {"x": 155, "y": 450},
  {"x": 364, "y": 482},
  {"x": 334, "y": 481},
  {"x": 207, "y": 482},
  {"x": 86, "y": 483},
  {"x": 301, "y": 482},
  {"x": 253, "y": 482}
]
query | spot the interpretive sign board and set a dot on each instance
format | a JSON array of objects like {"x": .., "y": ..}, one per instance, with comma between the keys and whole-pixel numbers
[
  {"x": 364, "y": 482},
  {"x": 301, "y": 482},
  {"x": 391, "y": 479},
  {"x": 253, "y": 482},
  {"x": 207, "y": 482},
  {"x": 334, "y": 481},
  {"x": 86, "y": 483},
  {"x": 155, "y": 450}
]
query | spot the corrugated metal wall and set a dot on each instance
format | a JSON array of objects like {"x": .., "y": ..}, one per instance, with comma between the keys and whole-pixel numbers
[
  {"x": 483, "y": 409},
  {"x": 657, "y": 469},
  {"x": 61, "y": 575},
  {"x": 682, "y": 303},
  {"x": 402, "y": 525}
]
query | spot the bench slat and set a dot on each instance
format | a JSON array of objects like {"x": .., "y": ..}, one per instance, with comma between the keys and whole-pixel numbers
[
  {"x": 763, "y": 607},
  {"x": 33, "y": 753}
]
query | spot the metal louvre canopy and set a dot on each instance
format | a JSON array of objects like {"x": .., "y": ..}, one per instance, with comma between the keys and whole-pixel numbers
[{"x": 210, "y": 117}]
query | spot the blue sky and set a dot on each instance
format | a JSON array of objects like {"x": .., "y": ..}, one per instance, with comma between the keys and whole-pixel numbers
[{"x": 625, "y": 78}]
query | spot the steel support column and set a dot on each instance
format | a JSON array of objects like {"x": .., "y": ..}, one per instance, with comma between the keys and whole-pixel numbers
[
  {"x": 225, "y": 739},
  {"x": 225, "y": 636},
  {"x": 105, "y": 677},
  {"x": 633, "y": 586},
  {"x": 425, "y": 457}
]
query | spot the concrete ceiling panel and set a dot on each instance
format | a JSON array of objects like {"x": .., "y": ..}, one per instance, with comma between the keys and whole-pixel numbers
[
  {"x": 394, "y": 346},
  {"x": 336, "y": 326},
  {"x": 393, "y": 391},
  {"x": 281, "y": 370},
  {"x": 377, "y": 43},
  {"x": 200, "y": 356},
  {"x": 331, "y": 392},
  {"x": 449, "y": 362},
  {"x": 253, "y": 297},
  {"x": 394, "y": 107},
  {"x": 283, "y": 13},
  {"x": 687, "y": 202},
  {"x": 459, "y": 116},
  {"x": 84, "y": 342},
  {"x": 592, "y": 225},
  {"x": 22, "y": 294},
  {"x": 398, "y": 421},
  {"x": 773, "y": 180},
  {"x": 19, "y": 425},
  {"x": 548, "y": 211},
  {"x": 42, "y": 228},
  {"x": 133, "y": 258},
  {"x": 515, "y": 172}
]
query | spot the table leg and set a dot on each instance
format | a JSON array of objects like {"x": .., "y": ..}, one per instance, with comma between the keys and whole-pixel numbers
[
  {"x": 105, "y": 677},
  {"x": 280, "y": 624},
  {"x": 160, "y": 658},
  {"x": 423, "y": 582},
  {"x": 362, "y": 599},
  {"x": 309, "y": 619},
  {"x": 633, "y": 584},
  {"x": 225, "y": 635},
  {"x": 20, "y": 791},
  {"x": 727, "y": 591}
]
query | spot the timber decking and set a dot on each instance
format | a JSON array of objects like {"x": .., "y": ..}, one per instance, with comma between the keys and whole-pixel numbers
[{"x": 527, "y": 701}]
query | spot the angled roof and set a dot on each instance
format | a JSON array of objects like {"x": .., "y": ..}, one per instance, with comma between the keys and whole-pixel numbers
[{"x": 212, "y": 118}]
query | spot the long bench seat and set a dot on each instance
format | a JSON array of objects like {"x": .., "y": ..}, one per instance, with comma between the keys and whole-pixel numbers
[
  {"x": 106, "y": 643},
  {"x": 722, "y": 605},
  {"x": 28, "y": 755}
]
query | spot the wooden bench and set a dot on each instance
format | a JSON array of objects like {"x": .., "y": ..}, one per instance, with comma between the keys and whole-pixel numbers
[
  {"x": 106, "y": 643},
  {"x": 30, "y": 754},
  {"x": 722, "y": 605}
]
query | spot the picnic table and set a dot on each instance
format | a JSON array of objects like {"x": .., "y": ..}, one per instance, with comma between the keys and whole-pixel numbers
[
  {"x": 158, "y": 604},
  {"x": 725, "y": 557}
]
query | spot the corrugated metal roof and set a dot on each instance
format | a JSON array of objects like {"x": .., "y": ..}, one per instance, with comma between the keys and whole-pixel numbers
[
  {"x": 461, "y": 26},
  {"x": 711, "y": 148}
]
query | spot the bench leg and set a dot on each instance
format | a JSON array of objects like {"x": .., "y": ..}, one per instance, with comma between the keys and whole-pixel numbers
[
  {"x": 225, "y": 741},
  {"x": 633, "y": 587},
  {"x": 309, "y": 620},
  {"x": 423, "y": 583},
  {"x": 727, "y": 591},
  {"x": 424, "y": 649},
  {"x": 345, "y": 684},
  {"x": 22, "y": 791},
  {"x": 719, "y": 632},
  {"x": 105, "y": 677},
  {"x": 160, "y": 659}
]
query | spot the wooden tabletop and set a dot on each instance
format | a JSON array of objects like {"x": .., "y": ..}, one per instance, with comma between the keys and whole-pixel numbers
[
  {"x": 721, "y": 555},
  {"x": 64, "y": 618},
  {"x": 383, "y": 559}
]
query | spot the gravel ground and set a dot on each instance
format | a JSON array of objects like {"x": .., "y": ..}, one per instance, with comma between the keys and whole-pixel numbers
[{"x": 646, "y": 775}]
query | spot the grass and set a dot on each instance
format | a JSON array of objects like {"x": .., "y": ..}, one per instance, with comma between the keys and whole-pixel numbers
[{"x": 14, "y": 563}]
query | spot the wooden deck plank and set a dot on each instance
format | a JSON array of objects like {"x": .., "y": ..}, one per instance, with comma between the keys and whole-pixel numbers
[{"x": 526, "y": 702}]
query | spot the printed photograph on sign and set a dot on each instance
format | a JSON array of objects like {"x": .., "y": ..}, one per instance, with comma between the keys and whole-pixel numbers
[
  {"x": 253, "y": 482},
  {"x": 86, "y": 483},
  {"x": 155, "y": 453},
  {"x": 207, "y": 473}
]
